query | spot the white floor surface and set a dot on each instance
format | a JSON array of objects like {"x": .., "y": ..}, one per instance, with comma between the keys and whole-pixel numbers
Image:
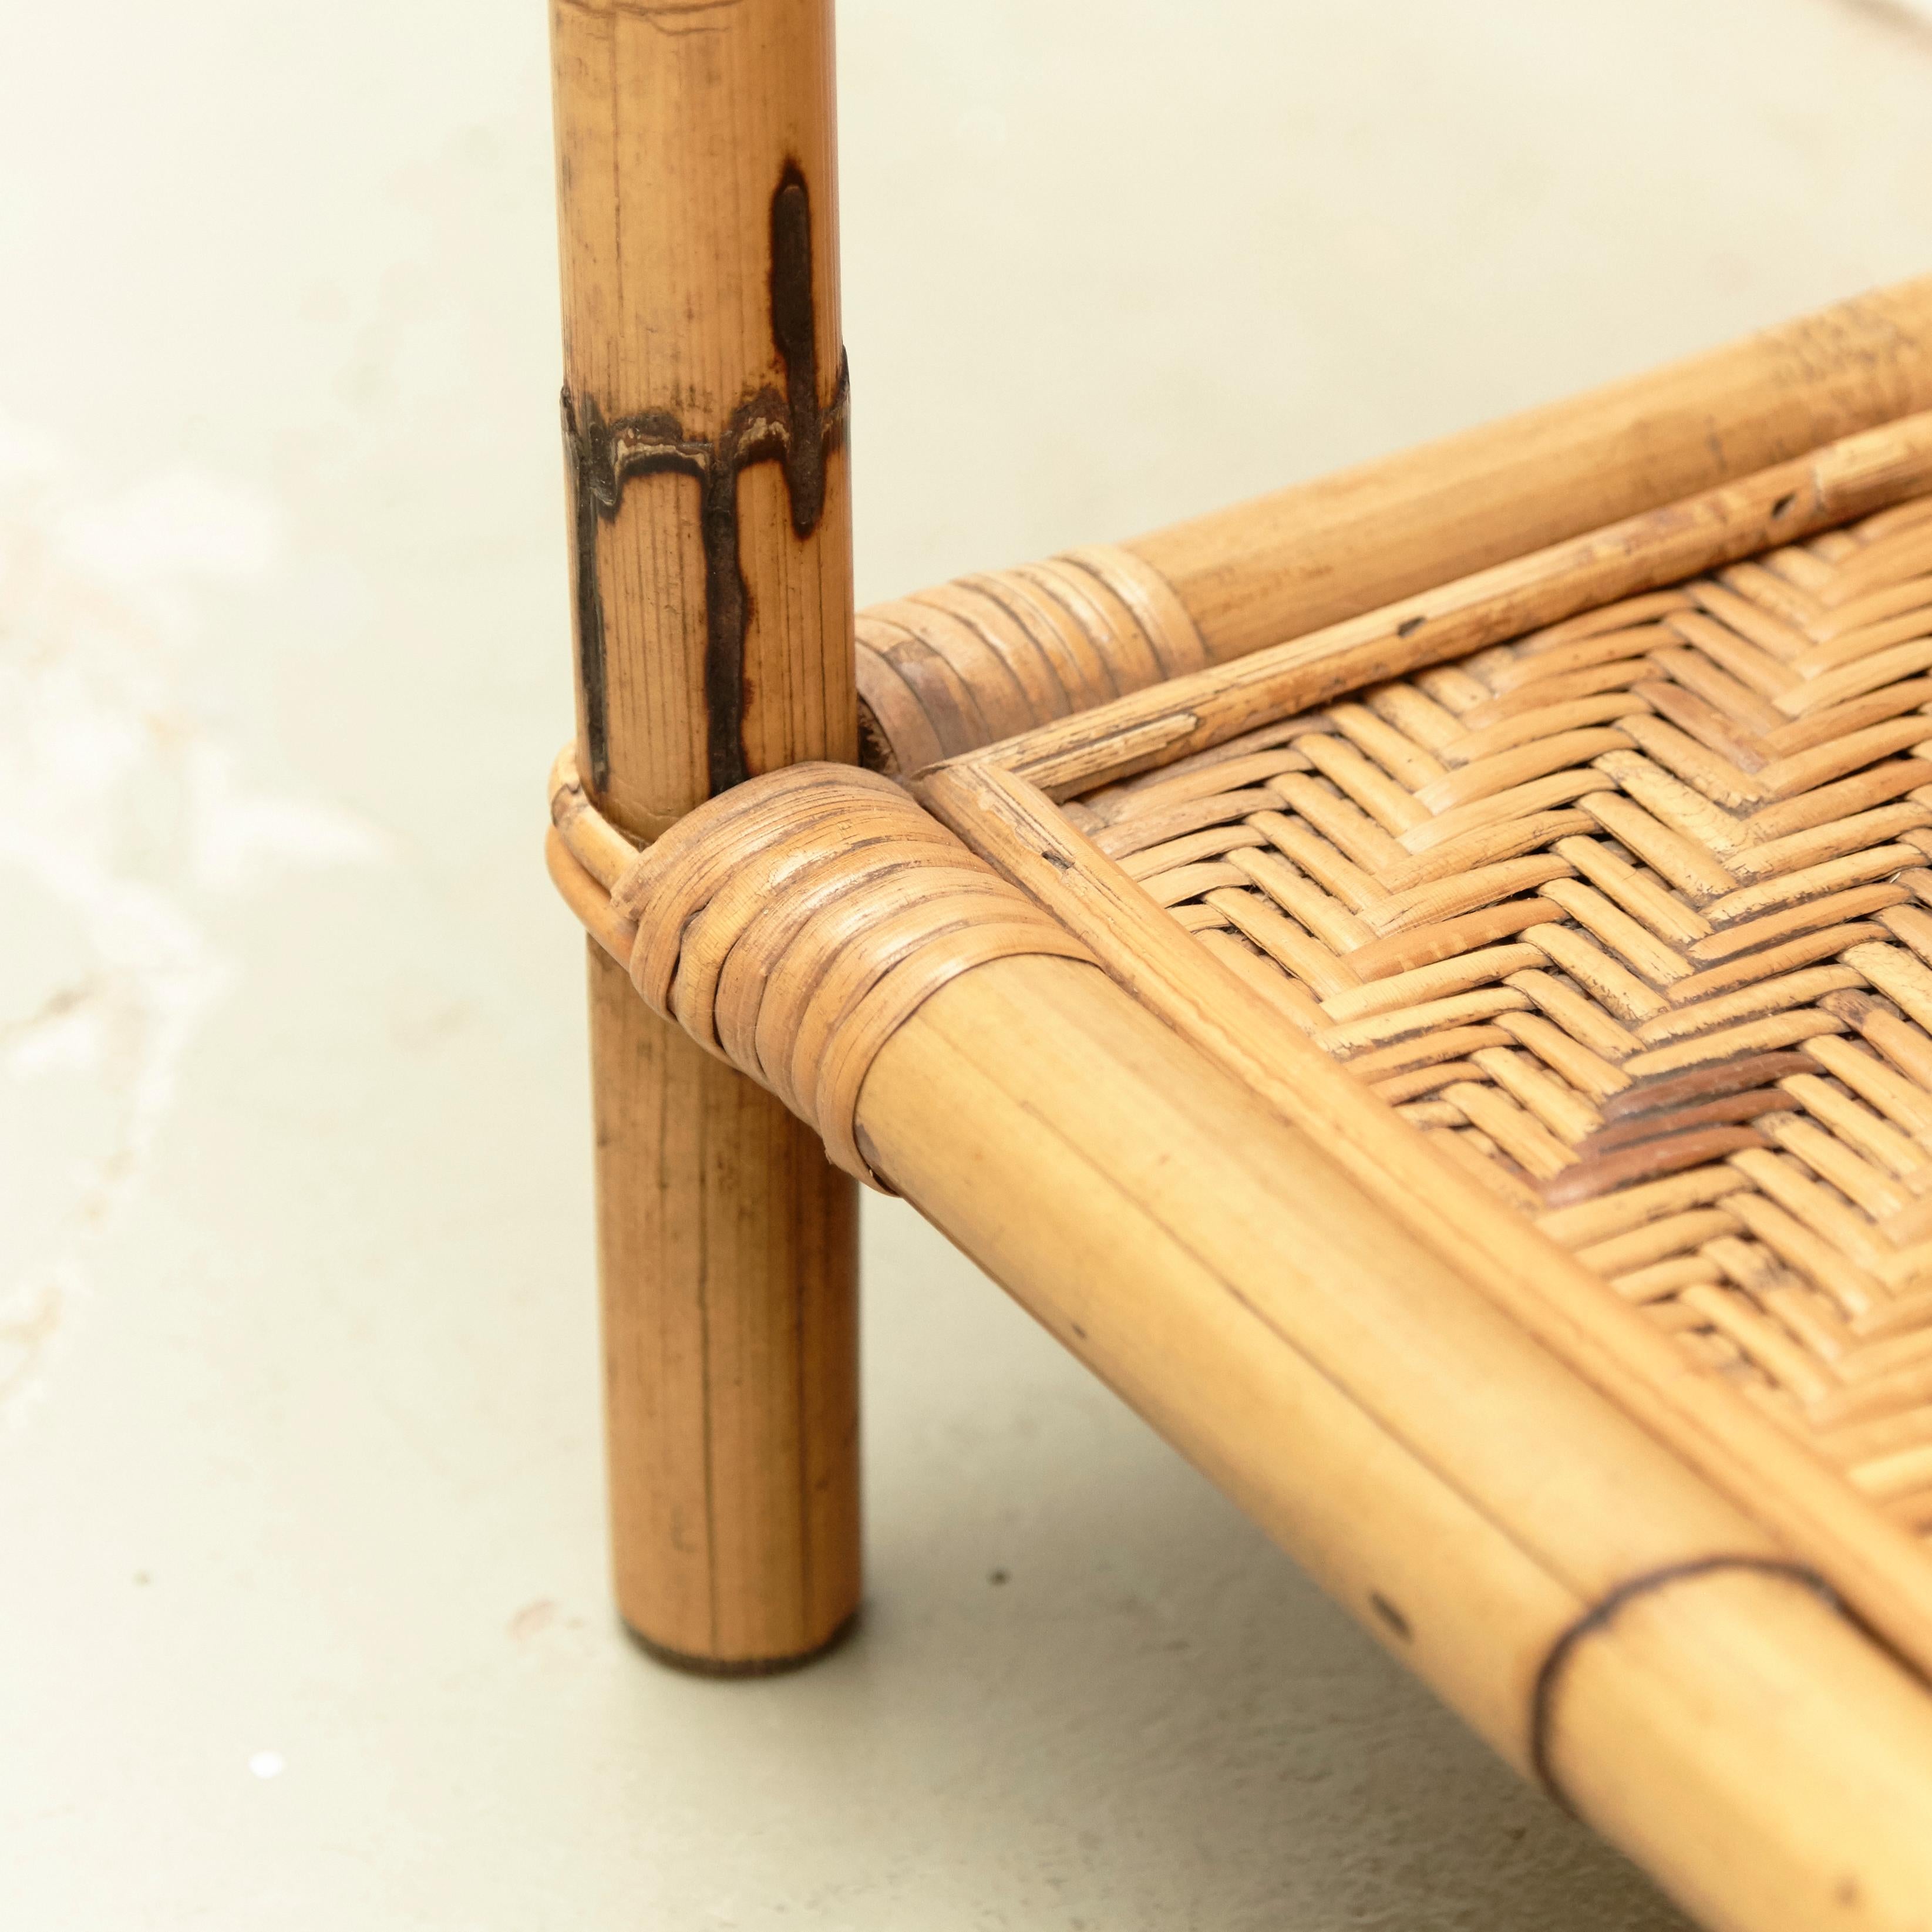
[{"x": 304, "y": 1617}]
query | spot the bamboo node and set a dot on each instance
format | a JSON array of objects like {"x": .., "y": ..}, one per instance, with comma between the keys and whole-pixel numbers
[{"x": 1605, "y": 1612}]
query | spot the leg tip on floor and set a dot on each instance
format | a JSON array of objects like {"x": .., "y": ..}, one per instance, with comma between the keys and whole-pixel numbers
[{"x": 698, "y": 1665}]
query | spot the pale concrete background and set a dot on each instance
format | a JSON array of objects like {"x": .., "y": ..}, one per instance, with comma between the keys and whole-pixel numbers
[{"x": 303, "y": 1618}]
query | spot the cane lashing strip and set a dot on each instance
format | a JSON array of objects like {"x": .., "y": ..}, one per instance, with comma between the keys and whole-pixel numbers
[
  {"x": 792, "y": 924},
  {"x": 948, "y": 670},
  {"x": 1630, "y": 919}
]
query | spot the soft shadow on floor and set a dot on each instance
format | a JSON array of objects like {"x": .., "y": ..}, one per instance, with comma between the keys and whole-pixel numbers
[{"x": 1088, "y": 1693}]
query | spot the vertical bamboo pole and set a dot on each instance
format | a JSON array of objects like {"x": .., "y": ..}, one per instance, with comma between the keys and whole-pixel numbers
[{"x": 704, "y": 405}]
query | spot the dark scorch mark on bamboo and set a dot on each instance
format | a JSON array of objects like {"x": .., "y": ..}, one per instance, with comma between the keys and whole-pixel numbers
[
  {"x": 791, "y": 429},
  {"x": 1674, "y": 1121}
]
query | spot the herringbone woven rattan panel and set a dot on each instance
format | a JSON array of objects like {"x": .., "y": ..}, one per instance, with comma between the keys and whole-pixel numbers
[{"x": 1630, "y": 917}]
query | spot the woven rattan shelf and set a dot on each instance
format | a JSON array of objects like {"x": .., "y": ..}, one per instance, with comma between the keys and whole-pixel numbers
[
  {"x": 1423, "y": 982},
  {"x": 1628, "y": 918}
]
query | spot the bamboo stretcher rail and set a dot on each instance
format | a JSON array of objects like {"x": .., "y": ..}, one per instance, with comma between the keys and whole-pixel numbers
[
  {"x": 945, "y": 670},
  {"x": 1783, "y": 504},
  {"x": 1316, "y": 552},
  {"x": 1595, "y": 1608}
]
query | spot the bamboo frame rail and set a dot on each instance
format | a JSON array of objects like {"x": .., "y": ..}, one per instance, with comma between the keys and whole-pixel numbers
[
  {"x": 1593, "y": 1608},
  {"x": 1783, "y": 504},
  {"x": 948, "y": 670},
  {"x": 999, "y": 801},
  {"x": 1656, "y": 1598},
  {"x": 703, "y": 411}
]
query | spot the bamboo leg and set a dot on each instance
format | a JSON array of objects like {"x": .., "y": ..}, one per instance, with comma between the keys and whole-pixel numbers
[
  {"x": 703, "y": 414},
  {"x": 730, "y": 1354}
]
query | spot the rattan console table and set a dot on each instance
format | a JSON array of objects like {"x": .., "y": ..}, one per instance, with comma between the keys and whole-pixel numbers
[{"x": 1423, "y": 982}]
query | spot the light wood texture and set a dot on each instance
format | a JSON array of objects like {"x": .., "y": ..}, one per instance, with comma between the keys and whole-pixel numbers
[
  {"x": 1594, "y": 1607},
  {"x": 967, "y": 663},
  {"x": 1612, "y": 1567},
  {"x": 1596, "y": 1610},
  {"x": 790, "y": 926},
  {"x": 1467, "y": 1496},
  {"x": 1784, "y": 504},
  {"x": 1648, "y": 961},
  {"x": 1871, "y": 1561},
  {"x": 704, "y": 411},
  {"x": 1311, "y": 555},
  {"x": 1356, "y": 873},
  {"x": 704, "y": 396},
  {"x": 727, "y": 1262}
]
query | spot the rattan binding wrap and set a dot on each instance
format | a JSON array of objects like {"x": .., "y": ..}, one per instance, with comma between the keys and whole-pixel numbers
[
  {"x": 1629, "y": 917},
  {"x": 989, "y": 656},
  {"x": 791, "y": 925}
]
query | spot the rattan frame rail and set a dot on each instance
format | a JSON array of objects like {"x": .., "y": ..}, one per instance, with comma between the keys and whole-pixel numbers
[
  {"x": 1096, "y": 968},
  {"x": 999, "y": 801}
]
